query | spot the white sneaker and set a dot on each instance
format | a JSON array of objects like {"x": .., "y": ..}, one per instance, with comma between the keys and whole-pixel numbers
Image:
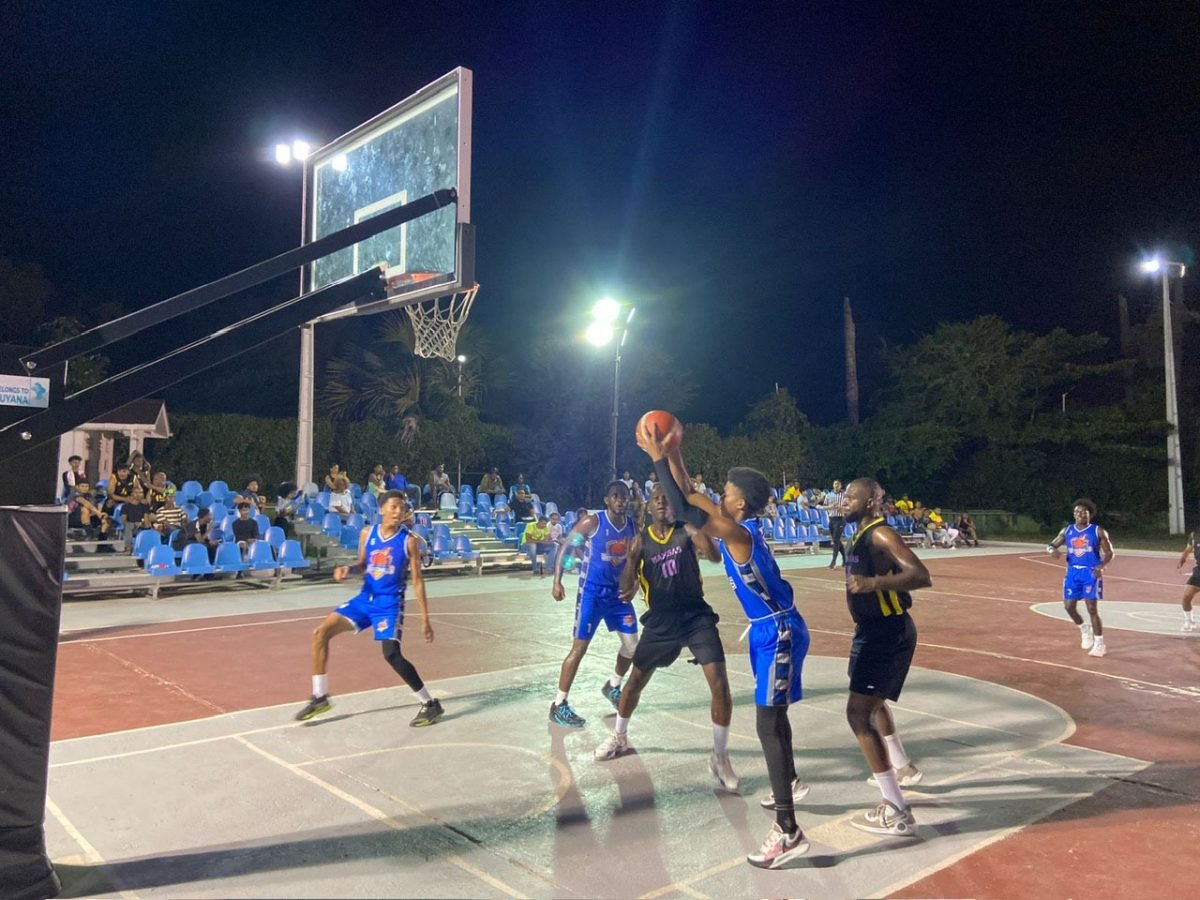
[
  {"x": 722, "y": 770},
  {"x": 908, "y": 776},
  {"x": 886, "y": 819},
  {"x": 779, "y": 848},
  {"x": 1086, "y": 638},
  {"x": 799, "y": 791},
  {"x": 614, "y": 745},
  {"x": 1189, "y": 625},
  {"x": 1098, "y": 648}
]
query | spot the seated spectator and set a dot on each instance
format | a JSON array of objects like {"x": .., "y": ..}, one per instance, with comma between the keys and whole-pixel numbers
[
  {"x": 170, "y": 515},
  {"x": 73, "y": 476},
  {"x": 84, "y": 512},
  {"x": 207, "y": 533},
  {"x": 698, "y": 484},
  {"x": 245, "y": 528},
  {"x": 140, "y": 468},
  {"x": 904, "y": 506},
  {"x": 439, "y": 483},
  {"x": 252, "y": 496},
  {"x": 966, "y": 528},
  {"x": 340, "y": 501},
  {"x": 375, "y": 482},
  {"x": 648, "y": 487},
  {"x": 287, "y": 502},
  {"x": 395, "y": 481},
  {"x": 492, "y": 483},
  {"x": 521, "y": 506},
  {"x": 120, "y": 486},
  {"x": 135, "y": 512},
  {"x": 920, "y": 520},
  {"x": 335, "y": 472},
  {"x": 772, "y": 511},
  {"x": 156, "y": 494},
  {"x": 791, "y": 494},
  {"x": 537, "y": 540},
  {"x": 637, "y": 505},
  {"x": 519, "y": 485},
  {"x": 557, "y": 532},
  {"x": 627, "y": 480}
]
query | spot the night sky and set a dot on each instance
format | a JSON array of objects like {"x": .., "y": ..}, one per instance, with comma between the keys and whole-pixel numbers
[{"x": 735, "y": 169}]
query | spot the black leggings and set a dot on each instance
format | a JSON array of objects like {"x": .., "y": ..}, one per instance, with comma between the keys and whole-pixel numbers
[
  {"x": 836, "y": 524},
  {"x": 405, "y": 669},
  {"x": 775, "y": 735}
]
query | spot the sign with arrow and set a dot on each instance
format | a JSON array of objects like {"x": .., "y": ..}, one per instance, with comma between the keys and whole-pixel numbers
[{"x": 17, "y": 390}]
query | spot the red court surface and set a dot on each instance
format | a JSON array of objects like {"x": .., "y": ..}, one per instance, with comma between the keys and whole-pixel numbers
[{"x": 129, "y": 692}]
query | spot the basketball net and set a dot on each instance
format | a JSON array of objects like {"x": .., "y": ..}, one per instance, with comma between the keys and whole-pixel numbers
[{"x": 436, "y": 323}]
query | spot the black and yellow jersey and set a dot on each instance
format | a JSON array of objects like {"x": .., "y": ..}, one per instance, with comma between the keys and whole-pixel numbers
[
  {"x": 669, "y": 572},
  {"x": 876, "y": 605}
]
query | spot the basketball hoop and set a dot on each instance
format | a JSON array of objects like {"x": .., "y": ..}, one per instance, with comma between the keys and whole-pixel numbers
[{"x": 436, "y": 323}]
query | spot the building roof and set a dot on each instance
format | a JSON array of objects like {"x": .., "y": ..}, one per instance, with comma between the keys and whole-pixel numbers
[{"x": 149, "y": 416}]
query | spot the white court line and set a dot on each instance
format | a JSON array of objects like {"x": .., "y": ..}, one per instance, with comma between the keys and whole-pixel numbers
[
  {"x": 1107, "y": 576},
  {"x": 91, "y": 854},
  {"x": 379, "y": 815},
  {"x": 838, "y": 588}
]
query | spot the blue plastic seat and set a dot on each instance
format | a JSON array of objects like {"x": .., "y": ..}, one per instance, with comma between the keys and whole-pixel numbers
[
  {"x": 768, "y": 528},
  {"x": 349, "y": 537},
  {"x": 146, "y": 540},
  {"x": 261, "y": 558},
  {"x": 538, "y": 509},
  {"x": 484, "y": 502},
  {"x": 191, "y": 510},
  {"x": 323, "y": 498},
  {"x": 423, "y": 518},
  {"x": 462, "y": 547},
  {"x": 441, "y": 546},
  {"x": 229, "y": 558},
  {"x": 466, "y": 509},
  {"x": 263, "y": 524},
  {"x": 205, "y": 500},
  {"x": 443, "y": 530},
  {"x": 422, "y": 532},
  {"x": 118, "y": 519},
  {"x": 356, "y": 491},
  {"x": 314, "y": 512},
  {"x": 275, "y": 536},
  {"x": 195, "y": 560},
  {"x": 219, "y": 511},
  {"x": 219, "y": 490},
  {"x": 291, "y": 556},
  {"x": 551, "y": 508},
  {"x": 160, "y": 562},
  {"x": 190, "y": 491},
  {"x": 355, "y": 521},
  {"x": 331, "y": 525}
]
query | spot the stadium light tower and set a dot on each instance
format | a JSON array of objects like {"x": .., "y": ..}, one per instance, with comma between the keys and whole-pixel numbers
[
  {"x": 600, "y": 332},
  {"x": 1175, "y": 512}
]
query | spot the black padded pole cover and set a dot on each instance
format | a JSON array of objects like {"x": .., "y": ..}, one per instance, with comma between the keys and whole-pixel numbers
[{"x": 32, "y": 548}]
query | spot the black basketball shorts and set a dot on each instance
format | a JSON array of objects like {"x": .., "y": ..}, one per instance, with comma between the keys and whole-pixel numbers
[
  {"x": 664, "y": 637},
  {"x": 880, "y": 656}
]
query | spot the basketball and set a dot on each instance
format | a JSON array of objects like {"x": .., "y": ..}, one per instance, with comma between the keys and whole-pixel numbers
[{"x": 666, "y": 423}]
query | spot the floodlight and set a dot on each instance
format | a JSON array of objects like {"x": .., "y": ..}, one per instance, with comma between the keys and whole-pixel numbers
[
  {"x": 606, "y": 310},
  {"x": 283, "y": 154},
  {"x": 301, "y": 149},
  {"x": 461, "y": 358},
  {"x": 1151, "y": 265},
  {"x": 599, "y": 333},
  {"x": 339, "y": 163}
]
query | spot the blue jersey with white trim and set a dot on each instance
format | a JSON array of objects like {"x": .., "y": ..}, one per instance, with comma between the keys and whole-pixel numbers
[
  {"x": 387, "y": 563},
  {"x": 757, "y": 583},
  {"x": 605, "y": 553},
  {"x": 1083, "y": 546}
]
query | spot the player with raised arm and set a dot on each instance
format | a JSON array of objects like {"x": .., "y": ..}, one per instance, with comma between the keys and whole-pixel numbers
[
  {"x": 389, "y": 555},
  {"x": 604, "y": 537},
  {"x": 778, "y": 635},
  {"x": 880, "y": 573},
  {"x": 1193, "y": 583},
  {"x": 663, "y": 563},
  {"x": 1089, "y": 550}
]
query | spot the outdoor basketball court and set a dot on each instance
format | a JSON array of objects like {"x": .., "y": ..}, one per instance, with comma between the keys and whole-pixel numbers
[{"x": 177, "y": 769}]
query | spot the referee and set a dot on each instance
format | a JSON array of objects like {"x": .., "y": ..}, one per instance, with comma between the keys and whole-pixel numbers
[{"x": 837, "y": 520}]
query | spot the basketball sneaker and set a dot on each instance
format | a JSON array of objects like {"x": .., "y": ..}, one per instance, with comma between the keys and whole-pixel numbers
[
  {"x": 1098, "y": 648},
  {"x": 428, "y": 714},
  {"x": 616, "y": 744},
  {"x": 611, "y": 694},
  {"x": 779, "y": 848},
  {"x": 1189, "y": 625},
  {"x": 562, "y": 714},
  {"x": 1086, "y": 638},
  {"x": 800, "y": 790},
  {"x": 316, "y": 706},
  {"x": 886, "y": 819},
  {"x": 908, "y": 776},
  {"x": 722, "y": 770}
]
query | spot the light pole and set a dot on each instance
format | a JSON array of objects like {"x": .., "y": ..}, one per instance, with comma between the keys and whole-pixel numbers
[
  {"x": 1175, "y": 517},
  {"x": 602, "y": 330},
  {"x": 462, "y": 361}
]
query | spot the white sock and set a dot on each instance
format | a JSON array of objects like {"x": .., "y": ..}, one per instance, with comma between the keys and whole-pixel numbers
[
  {"x": 1187, "y": 616},
  {"x": 1085, "y": 628},
  {"x": 560, "y": 697},
  {"x": 320, "y": 685},
  {"x": 423, "y": 695},
  {"x": 890, "y": 788},
  {"x": 1100, "y": 639},
  {"x": 720, "y": 739},
  {"x": 895, "y": 750},
  {"x": 621, "y": 725},
  {"x": 615, "y": 680}
]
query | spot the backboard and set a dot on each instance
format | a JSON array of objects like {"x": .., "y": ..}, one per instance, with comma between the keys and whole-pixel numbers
[{"x": 420, "y": 145}]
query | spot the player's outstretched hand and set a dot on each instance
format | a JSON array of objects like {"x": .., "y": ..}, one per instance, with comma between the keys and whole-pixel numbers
[
  {"x": 654, "y": 442},
  {"x": 428, "y": 629},
  {"x": 340, "y": 573}
]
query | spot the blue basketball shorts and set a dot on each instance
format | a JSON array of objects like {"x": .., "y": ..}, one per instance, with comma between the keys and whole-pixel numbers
[
  {"x": 383, "y": 614},
  {"x": 1080, "y": 584},
  {"x": 594, "y": 605},
  {"x": 777, "y": 650}
]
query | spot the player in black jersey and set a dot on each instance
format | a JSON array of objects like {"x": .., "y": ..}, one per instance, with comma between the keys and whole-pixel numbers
[
  {"x": 663, "y": 562},
  {"x": 1193, "y": 584},
  {"x": 880, "y": 572}
]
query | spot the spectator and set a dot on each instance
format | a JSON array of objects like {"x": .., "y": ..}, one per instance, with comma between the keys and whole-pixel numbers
[
  {"x": 335, "y": 472},
  {"x": 169, "y": 515},
  {"x": 73, "y": 476},
  {"x": 791, "y": 494},
  {"x": 637, "y": 504},
  {"x": 557, "y": 534},
  {"x": 772, "y": 511},
  {"x": 519, "y": 485},
  {"x": 340, "y": 501},
  {"x": 522, "y": 507},
  {"x": 698, "y": 484},
  {"x": 120, "y": 486},
  {"x": 286, "y": 503},
  {"x": 207, "y": 533},
  {"x": 537, "y": 540},
  {"x": 245, "y": 529},
  {"x": 648, "y": 487},
  {"x": 252, "y": 496},
  {"x": 141, "y": 470},
  {"x": 966, "y": 528},
  {"x": 156, "y": 494},
  {"x": 492, "y": 483},
  {"x": 395, "y": 481},
  {"x": 135, "y": 512},
  {"x": 439, "y": 483},
  {"x": 627, "y": 480},
  {"x": 375, "y": 482},
  {"x": 83, "y": 512}
]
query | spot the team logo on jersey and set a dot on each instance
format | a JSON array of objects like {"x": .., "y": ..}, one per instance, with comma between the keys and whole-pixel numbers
[
  {"x": 615, "y": 551},
  {"x": 1080, "y": 545},
  {"x": 379, "y": 563}
]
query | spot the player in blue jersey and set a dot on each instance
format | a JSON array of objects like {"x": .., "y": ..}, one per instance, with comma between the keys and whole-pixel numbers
[
  {"x": 1088, "y": 551},
  {"x": 605, "y": 538},
  {"x": 389, "y": 555},
  {"x": 778, "y": 635}
]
